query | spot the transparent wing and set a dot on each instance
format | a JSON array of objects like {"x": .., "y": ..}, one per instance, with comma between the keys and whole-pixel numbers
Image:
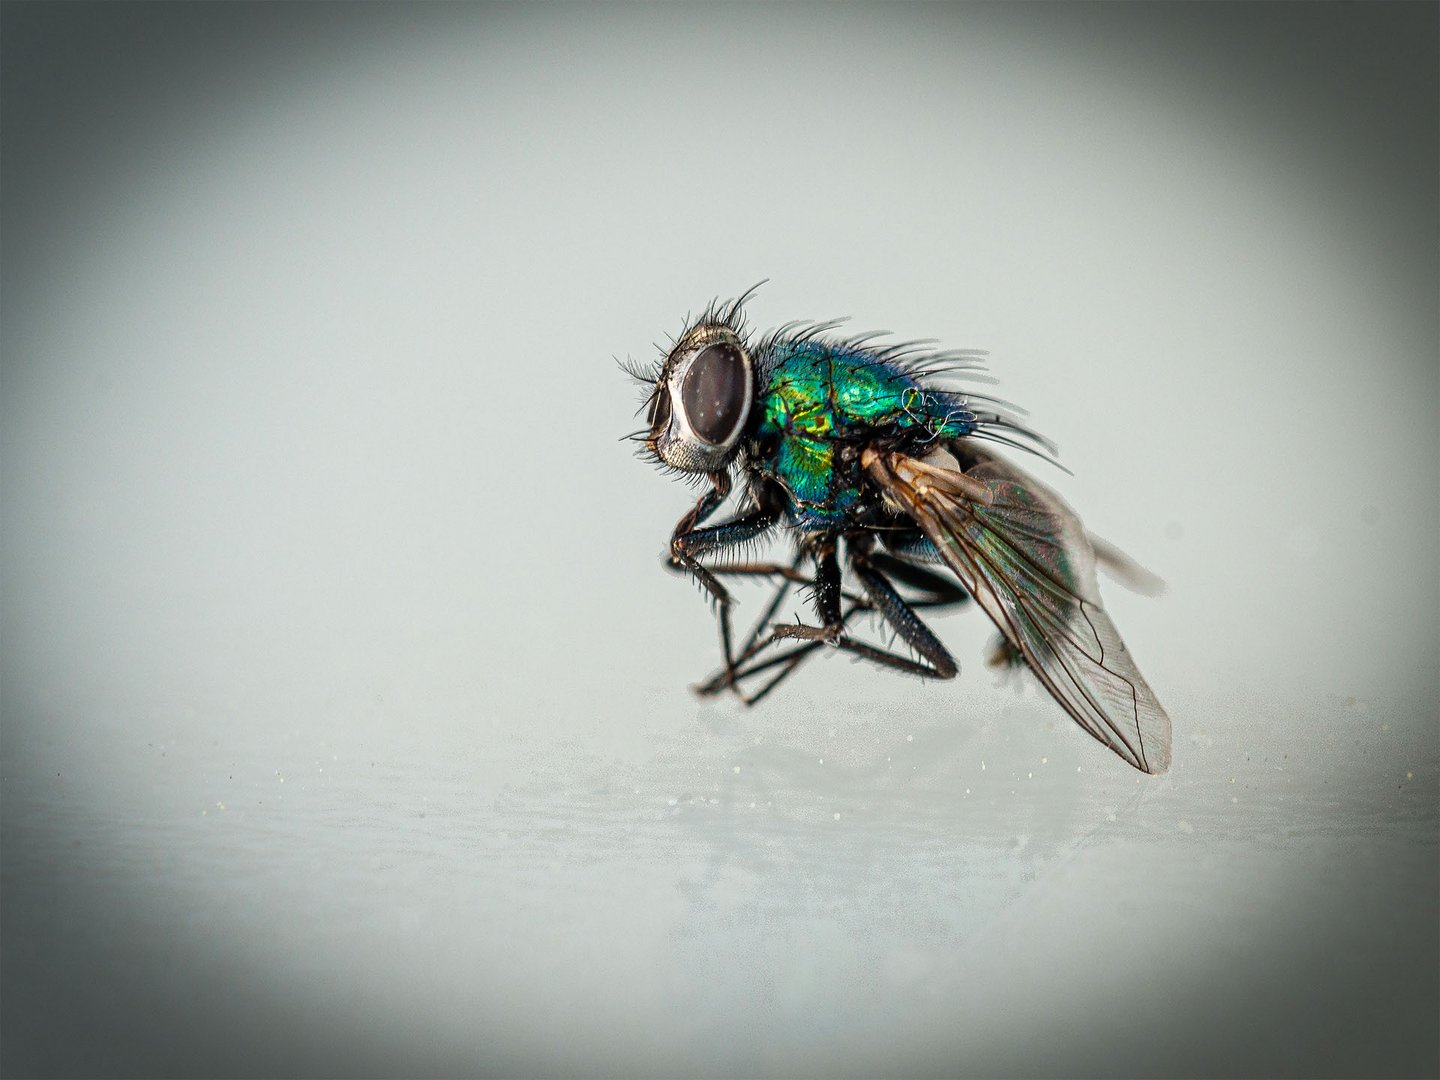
[
  {"x": 1123, "y": 569},
  {"x": 1025, "y": 557}
]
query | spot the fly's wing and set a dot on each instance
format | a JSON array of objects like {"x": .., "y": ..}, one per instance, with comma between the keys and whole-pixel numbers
[
  {"x": 1024, "y": 556},
  {"x": 1124, "y": 569}
]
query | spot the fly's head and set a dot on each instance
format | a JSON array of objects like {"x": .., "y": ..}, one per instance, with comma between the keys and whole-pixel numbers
[{"x": 703, "y": 396}]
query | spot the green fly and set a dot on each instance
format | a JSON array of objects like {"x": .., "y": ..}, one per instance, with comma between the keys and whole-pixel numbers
[{"x": 854, "y": 448}]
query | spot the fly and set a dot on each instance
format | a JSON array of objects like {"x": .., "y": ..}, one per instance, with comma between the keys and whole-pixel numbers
[{"x": 853, "y": 448}]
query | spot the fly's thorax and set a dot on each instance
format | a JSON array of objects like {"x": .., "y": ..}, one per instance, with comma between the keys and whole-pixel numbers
[
  {"x": 821, "y": 479},
  {"x": 703, "y": 399},
  {"x": 831, "y": 390}
]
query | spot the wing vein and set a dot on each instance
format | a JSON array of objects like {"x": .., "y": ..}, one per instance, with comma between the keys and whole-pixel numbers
[{"x": 1023, "y": 554}]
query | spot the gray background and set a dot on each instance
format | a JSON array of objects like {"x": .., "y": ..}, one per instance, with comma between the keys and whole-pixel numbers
[{"x": 345, "y": 723}]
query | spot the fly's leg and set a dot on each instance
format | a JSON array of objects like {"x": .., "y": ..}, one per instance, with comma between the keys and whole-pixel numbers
[
  {"x": 689, "y": 541},
  {"x": 942, "y": 594},
  {"x": 791, "y": 574},
  {"x": 828, "y": 597},
  {"x": 884, "y": 598},
  {"x": 827, "y": 600},
  {"x": 686, "y": 547},
  {"x": 900, "y": 615},
  {"x": 935, "y": 590},
  {"x": 787, "y": 661},
  {"x": 938, "y": 590},
  {"x": 1004, "y": 657},
  {"x": 788, "y": 575}
]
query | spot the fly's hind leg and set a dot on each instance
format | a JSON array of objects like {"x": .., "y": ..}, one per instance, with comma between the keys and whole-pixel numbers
[
  {"x": 943, "y": 592},
  {"x": 930, "y": 588},
  {"x": 901, "y": 617}
]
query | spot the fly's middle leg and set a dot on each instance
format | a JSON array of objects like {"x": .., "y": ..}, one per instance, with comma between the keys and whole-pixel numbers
[
  {"x": 827, "y": 600},
  {"x": 883, "y": 597}
]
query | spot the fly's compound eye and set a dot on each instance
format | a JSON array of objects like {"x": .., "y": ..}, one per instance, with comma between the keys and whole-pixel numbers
[
  {"x": 703, "y": 401},
  {"x": 715, "y": 393}
]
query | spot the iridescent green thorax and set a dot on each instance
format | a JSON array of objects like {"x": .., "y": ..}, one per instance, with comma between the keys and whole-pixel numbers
[{"x": 822, "y": 397}]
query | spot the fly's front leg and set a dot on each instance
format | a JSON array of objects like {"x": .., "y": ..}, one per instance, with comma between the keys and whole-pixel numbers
[
  {"x": 786, "y": 661},
  {"x": 690, "y": 541},
  {"x": 706, "y": 505},
  {"x": 789, "y": 576},
  {"x": 680, "y": 557},
  {"x": 746, "y": 664}
]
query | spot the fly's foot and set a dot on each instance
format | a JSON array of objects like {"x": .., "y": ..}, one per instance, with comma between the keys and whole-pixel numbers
[
  {"x": 830, "y": 635},
  {"x": 1004, "y": 655},
  {"x": 713, "y": 685},
  {"x": 719, "y": 683},
  {"x": 1005, "y": 659}
]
